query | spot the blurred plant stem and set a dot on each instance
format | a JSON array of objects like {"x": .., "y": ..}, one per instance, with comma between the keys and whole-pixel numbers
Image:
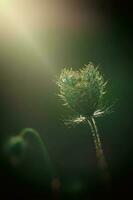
[
  {"x": 102, "y": 164},
  {"x": 46, "y": 158}
]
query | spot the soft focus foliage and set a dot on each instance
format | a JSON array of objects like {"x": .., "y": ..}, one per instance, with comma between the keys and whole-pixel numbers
[{"x": 83, "y": 92}]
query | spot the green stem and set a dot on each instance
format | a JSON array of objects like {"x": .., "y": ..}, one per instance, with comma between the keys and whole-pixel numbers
[
  {"x": 94, "y": 136},
  {"x": 47, "y": 162},
  {"x": 98, "y": 146}
]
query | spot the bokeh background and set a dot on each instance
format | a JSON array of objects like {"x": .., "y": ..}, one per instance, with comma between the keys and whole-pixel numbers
[{"x": 38, "y": 39}]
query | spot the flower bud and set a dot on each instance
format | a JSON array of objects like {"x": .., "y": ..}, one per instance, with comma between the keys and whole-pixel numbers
[
  {"x": 15, "y": 146},
  {"x": 83, "y": 92}
]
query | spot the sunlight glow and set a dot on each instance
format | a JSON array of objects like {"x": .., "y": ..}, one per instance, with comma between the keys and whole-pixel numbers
[{"x": 16, "y": 24}]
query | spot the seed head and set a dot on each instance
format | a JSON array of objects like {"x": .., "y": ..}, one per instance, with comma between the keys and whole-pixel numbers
[{"x": 83, "y": 92}]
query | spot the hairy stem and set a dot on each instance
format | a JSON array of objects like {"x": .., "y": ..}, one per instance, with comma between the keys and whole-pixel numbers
[{"x": 99, "y": 151}]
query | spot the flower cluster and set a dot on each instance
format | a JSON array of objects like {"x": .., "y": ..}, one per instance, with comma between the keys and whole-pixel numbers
[{"x": 83, "y": 92}]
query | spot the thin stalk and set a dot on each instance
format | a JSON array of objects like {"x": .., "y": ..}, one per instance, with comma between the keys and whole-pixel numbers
[
  {"x": 99, "y": 150},
  {"x": 47, "y": 162},
  {"x": 94, "y": 137}
]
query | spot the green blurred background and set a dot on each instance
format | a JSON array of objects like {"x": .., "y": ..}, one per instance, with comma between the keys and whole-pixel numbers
[{"x": 33, "y": 49}]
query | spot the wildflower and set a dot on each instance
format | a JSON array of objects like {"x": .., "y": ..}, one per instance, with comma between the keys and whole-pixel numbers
[{"x": 84, "y": 92}]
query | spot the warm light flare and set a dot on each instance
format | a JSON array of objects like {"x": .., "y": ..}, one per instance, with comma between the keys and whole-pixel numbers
[{"x": 14, "y": 24}]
